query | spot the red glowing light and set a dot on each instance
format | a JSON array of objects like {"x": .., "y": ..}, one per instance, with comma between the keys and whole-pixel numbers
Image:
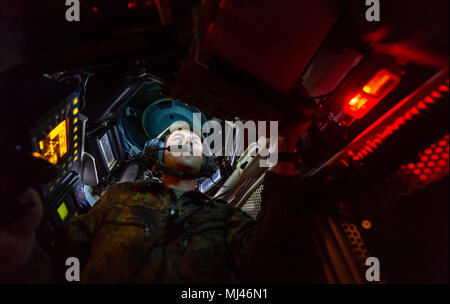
[
  {"x": 428, "y": 99},
  {"x": 436, "y": 94},
  {"x": 443, "y": 88},
  {"x": 132, "y": 4},
  {"x": 414, "y": 111},
  {"x": 379, "y": 86},
  {"x": 421, "y": 105},
  {"x": 433, "y": 166},
  {"x": 380, "y": 83},
  {"x": 442, "y": 143},
  {"x": 423, "y": 177},
  {"x": 95, "y": 9},
  {"x": 357, "y": 102},
  {"x": 441, "y": 162}
]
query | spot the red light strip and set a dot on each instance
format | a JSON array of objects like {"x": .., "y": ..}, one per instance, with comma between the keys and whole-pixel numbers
[
  {"x": 431, "y": 166},
  {"x": 407, "y": 109},
  {"x": 374, "y": 141}
]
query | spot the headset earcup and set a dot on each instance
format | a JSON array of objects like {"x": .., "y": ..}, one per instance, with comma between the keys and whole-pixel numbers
[{"x": 153, "y": 146}]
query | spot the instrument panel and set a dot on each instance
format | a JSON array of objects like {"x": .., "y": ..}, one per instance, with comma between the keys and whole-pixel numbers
[{"x": 57, "y": 137}]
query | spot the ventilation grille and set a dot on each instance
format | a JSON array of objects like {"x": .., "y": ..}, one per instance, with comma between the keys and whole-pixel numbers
[
  {"x": 253, "y": 204},
  {"x": 357, "y": 246}
]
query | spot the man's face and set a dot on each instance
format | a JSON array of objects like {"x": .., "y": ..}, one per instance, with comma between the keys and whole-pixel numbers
[{"x": 180, "y": 160}]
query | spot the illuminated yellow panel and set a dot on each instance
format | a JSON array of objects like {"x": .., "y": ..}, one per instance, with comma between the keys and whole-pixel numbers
[
  {"x": 54, "y": 146},
  {"x": 75, "y": 100},
  {"x": 75, "y": 111},
  {"x": 63, "y": 211},
  {"x": 75, "y": 152},
  {"x": 75, "y": 159},
  {"x": 75, "y": 120},
  {"x": 75, "y": 130},
  {"x": 75, "y": 137},
  {"x": 75, "y": 145}
]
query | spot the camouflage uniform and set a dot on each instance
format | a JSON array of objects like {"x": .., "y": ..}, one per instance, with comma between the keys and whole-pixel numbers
[{"x": 130, "y": 236}]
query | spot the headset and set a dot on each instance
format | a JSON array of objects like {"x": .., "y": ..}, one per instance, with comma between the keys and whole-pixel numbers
[{"x": 154, "y": 149}]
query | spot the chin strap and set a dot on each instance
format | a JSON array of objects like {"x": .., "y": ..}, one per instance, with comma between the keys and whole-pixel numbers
[{"x": 170, "y": 170}]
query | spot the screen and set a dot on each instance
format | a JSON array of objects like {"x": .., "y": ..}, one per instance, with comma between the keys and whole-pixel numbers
[
  {"x": 63, "y": 211},
  {"x": 54, "y": 146},
  {"x": 106, "y": 150}
]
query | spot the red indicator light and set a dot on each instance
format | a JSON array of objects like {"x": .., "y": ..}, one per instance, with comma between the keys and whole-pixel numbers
[
  {"x": 382, "y": 81},
  {"x": 379, "y": 86},
  {"x": 443, "y": 88},
  {"x": 421, "y": 105},
  {"x": 132, "y": 4},
  {"x": 95, "y": 9},
  {"x": 414, "y": 111},
  {"x": 428, "y": 151},
  {"x": 442, "y": 143},
  {"x": 436, "y": 94},
  {"x": 357, "y": 102},
  {"x": 428, "y": 99}
]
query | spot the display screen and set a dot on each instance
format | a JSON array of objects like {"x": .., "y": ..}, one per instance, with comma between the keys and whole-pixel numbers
[
  {"x": 105, "y": 147},
  {"x": 63, "y": 212},
  {"x": 55, "y": 146}
]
